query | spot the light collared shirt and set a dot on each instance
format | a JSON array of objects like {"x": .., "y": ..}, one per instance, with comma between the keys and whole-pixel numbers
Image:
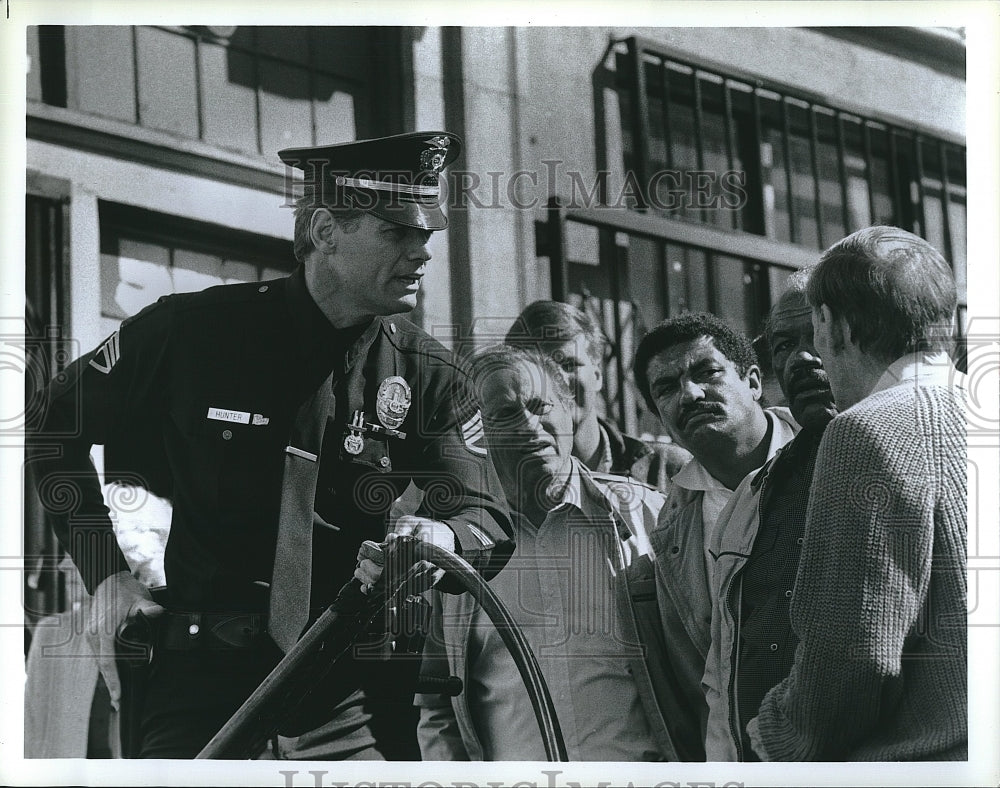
[
  {"x": 923, "y": 368},
  {"x": 694, "y": 476},
  {"x": 607, "y": 461},
  {"x": 560, "y": 588}
]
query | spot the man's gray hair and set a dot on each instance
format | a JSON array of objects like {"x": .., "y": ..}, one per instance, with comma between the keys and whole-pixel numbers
[{"x": 503, "y": 356}]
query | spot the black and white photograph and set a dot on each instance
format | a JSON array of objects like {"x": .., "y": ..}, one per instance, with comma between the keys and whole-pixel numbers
[{"x": 542, "y": 394}]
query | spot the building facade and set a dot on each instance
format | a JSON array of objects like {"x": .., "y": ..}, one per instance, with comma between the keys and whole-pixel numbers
[{"x": 636, "y": 172}]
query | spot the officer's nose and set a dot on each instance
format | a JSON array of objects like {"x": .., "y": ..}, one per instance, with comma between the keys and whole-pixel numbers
[{"x": 419, "y": 249}]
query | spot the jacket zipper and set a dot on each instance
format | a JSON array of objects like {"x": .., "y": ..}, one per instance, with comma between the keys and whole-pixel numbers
[
  {"x": 734, "y": 712},
  {"x": 734, "y": 662}
]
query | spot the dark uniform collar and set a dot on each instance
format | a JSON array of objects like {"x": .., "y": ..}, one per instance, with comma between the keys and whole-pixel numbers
[
  {"x": 313, "y": 331},
  {"x": 315, "y": 335}
]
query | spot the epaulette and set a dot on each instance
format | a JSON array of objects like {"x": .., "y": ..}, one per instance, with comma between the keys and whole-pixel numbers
[
  {"x": 219, "y": 295},
  {"x": 147, "y": 310},
  {"x": 409, "y": 338}
]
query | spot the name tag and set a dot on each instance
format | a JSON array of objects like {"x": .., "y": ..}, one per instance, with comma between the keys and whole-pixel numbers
[{"x": 236, "y": 416}]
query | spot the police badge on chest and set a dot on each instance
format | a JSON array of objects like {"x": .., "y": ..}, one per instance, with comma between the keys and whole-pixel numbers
[{"x": 392, "y": 403}]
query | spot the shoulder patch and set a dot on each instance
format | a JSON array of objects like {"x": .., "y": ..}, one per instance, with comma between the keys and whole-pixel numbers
[
  {"x": 473, "y": 433},
  {"x": 107, "y": 355}
]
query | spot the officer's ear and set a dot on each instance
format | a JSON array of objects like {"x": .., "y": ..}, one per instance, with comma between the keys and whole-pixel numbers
[{"x": 321, "y": 231}]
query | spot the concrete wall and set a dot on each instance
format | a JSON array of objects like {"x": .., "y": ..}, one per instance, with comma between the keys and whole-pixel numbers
[
  {"x": 94, "y": 177},
  {"x": 848, "y": 75},
  {"x": 529, "y": 125},
  {"x": 494, "y": 139},
  {"x": 428, "y": 93}
]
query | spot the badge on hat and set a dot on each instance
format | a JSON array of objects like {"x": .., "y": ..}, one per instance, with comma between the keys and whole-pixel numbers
[
  {"x": 433, "y": 159},
  {"x": 353, "y": 442},
  {"x": 392, "y": 402},
  {"x": 396, "y": 178}
]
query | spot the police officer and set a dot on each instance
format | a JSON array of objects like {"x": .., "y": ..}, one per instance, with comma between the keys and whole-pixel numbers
[{"x": 259, "y": 407}]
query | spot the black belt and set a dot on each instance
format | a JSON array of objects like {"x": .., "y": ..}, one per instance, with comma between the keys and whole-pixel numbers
[
  {"x": 188, "y": 631},
  {"x": 180, "y": 631}
]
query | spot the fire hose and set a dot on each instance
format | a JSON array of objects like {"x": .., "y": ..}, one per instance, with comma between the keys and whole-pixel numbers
[{"x": 334, "y": 633}]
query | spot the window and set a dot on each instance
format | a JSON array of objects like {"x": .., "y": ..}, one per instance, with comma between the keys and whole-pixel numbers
[
  {"x": 46, "y": 352},
  {"x": 811, "y": 173},
  {"x": 146, "y": 255},
  {"x": 252, "y": 90}
]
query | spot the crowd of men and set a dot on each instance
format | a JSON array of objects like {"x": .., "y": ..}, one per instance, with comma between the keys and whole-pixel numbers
[{"x": 786, "y": 583}]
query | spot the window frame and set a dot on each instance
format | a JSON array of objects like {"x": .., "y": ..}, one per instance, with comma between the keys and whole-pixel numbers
[
  {"x": 50, "y": 119},
  {"x": 907, "y": 212},
  {"x": 119, "y": 221}
]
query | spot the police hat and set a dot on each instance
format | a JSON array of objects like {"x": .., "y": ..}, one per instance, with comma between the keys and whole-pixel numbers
[{"x": 396, "y": 178}]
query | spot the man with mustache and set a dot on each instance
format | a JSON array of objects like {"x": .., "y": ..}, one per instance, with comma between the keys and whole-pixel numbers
[
  {"x": 581, "y": 554},
  {"x": 758, "y": 541},
  {"x": 880, "y": 599},
  {"x": 703, "y": 380}
]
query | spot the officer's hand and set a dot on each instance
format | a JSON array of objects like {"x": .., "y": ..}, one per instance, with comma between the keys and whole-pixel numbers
[
  {"x": 118, "y": 598},
  {"x": 426, "y": 530},
  {"x": 371, "y": 561},
  {"x": 371, "y": 558}
]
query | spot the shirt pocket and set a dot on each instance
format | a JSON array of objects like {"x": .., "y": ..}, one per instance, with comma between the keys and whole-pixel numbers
[
  {"x": 365, "y": 482},
  {"x": 230, "y": 463}
]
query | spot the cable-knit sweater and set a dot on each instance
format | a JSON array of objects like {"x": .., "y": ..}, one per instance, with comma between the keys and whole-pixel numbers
[{"x": 879, "y": 602}]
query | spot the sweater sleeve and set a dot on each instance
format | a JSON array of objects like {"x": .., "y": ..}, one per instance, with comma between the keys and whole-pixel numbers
[{"x": 862, "y": 579}]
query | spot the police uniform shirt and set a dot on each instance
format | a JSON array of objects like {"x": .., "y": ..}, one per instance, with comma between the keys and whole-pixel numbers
[{"x": 194, "y": 399}]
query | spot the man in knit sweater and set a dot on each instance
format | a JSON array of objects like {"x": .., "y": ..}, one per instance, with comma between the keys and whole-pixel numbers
[{"x": 879, "y": 603}]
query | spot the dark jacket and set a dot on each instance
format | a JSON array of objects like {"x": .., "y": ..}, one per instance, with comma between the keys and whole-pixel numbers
[{"x": 194, "y": 399}]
